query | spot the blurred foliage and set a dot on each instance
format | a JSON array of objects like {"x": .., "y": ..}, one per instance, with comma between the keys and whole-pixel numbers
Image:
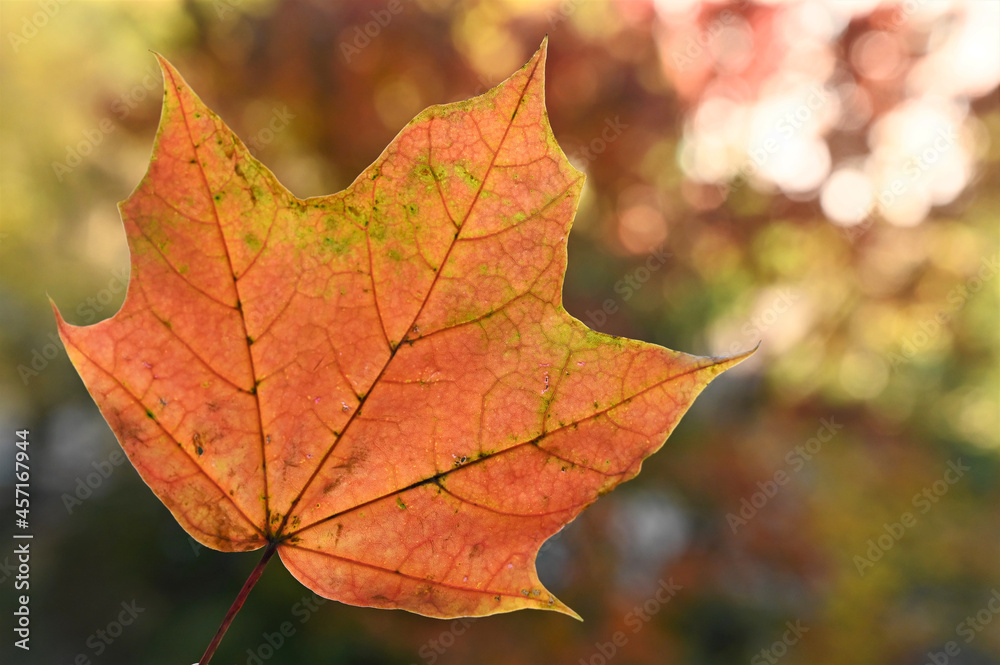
[{"x": 877, "y": 318}]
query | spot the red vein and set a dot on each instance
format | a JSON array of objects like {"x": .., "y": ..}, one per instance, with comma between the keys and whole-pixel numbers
[
  {"x": 409, "y": 329},
  {"x": 236, "y": 287},
  {"x": 533, "y": 441},
  {"x": 169, "y": 435},
  {"x": 422, "y": 580}
]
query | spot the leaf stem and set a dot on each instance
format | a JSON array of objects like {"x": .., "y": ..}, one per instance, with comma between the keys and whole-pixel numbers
[{"x": 241, "y": 597}]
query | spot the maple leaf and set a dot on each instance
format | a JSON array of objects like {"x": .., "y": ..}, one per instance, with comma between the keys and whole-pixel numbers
[{"x": 381, "y": 385}]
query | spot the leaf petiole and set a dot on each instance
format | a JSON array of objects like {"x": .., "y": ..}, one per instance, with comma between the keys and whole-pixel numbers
[{"x": 241, "y": 598}]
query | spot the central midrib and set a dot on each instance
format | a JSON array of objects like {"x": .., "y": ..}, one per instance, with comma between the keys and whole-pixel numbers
[{"x": 279, "y": 535}]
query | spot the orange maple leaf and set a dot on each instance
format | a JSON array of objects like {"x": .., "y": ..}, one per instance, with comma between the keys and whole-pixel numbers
[{"x": 381, "y": 385}]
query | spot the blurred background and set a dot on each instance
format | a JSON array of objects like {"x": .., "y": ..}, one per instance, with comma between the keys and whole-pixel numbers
[{"x": 821, "y": 177}]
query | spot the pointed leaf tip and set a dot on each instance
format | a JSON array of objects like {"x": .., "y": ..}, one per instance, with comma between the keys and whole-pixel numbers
[{"x": 734, "y": 360}]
